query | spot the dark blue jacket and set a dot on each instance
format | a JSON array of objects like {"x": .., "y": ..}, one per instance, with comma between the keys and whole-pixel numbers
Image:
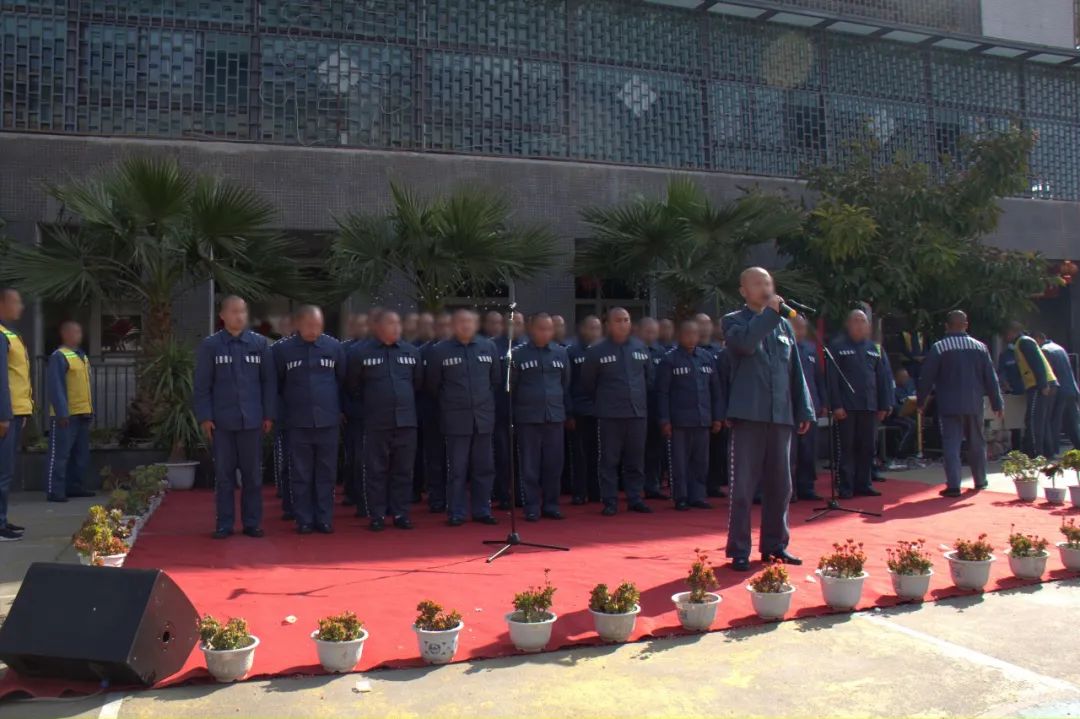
[
  {"x": 350, "y": 403},
  {"x": 1009, "y": 371},
  {"x": 540, "y": 380},
  {"x": 813, "y": 374},
  {"x": 619, "y": 377},
  {"x": 384, "y": 380},
  {"x": 311, "y": 379},
  {"x": 960, "y": 371},
  {"x": 1059, "y": 362},
  {"x": 427, "y": 404},
  {"x": 235, "y": 382},
  {"x": 866, "y": 369},
  {"x": 766, "y": 381},
  {"x": 581, "y": 402},
  {"x": 688, "y": 389},
  {"x": 463, "y": 378}
]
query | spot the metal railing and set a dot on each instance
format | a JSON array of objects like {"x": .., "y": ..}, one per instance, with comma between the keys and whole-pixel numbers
[{"x": 112, "y": 381}]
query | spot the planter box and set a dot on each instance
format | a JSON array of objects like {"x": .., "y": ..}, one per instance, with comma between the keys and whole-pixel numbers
[{"x": 30, "y": 466}]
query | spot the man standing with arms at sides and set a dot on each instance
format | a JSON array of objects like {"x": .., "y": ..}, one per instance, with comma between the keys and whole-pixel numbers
[
  {"x": 494, "y": 329},
  {"x": 353, "y": 432},
  {"x": 410, "y": 325},
  {"x": 311, "y": 372},
  {"x": 558, "y": 323},
  {"x": 540, "y": 384},
  {"x": 234, "y": 396},
  {"x": 71, "y": 405},
  {"x": 666, "y": 334},
  {"x": 282, "y": 470},
  {"x": 433, "y": 444},
  {"x": 618, "y": 373},
  {"x": 425, "y": 329},
  {"x": 384, "y": 375},
  {"x": 584, "y": 435},
  {"x": 959, "y": 371},
  {"x": 804, "y": 448},
  {"x": 462, "y": 373},
  {"x": 16, "y": 402},
  {"x": 1064, "y": 409},
  {"x": 717, "y": 478},
  {"x": 690, "y": 403},
  {"x": 648, "y": 331},
  {"x": 1037, "y": 379},
  {"x": 767, "y": 399},
  {"x": 358, "y": 329}
]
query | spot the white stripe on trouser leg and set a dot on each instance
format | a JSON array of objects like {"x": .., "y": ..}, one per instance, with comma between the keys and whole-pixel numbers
[
  {"x": 363, "y": 475},
  {"x": 731, "y": 475},
  {"x": 52, "y": 456},
  {"x": 671, "y": 468},
  {"x": 599, "y": 462}
]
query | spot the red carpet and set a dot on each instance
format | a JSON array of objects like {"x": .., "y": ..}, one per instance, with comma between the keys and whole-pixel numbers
[{"x": 382, "y": 576}]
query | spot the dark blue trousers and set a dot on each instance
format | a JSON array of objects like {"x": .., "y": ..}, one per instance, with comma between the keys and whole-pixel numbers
[
  {"x": 541, "y": 448},
  {"x": 68, "y": 459},
  {"x": 955, "y": 430},
  {"x": 654, "y": 457},
  {"x": 760, "y": 457},
  {"x": 1038, "y": 406},
  {"x": 504, "y": 455},
  {"x": 434, "y": 450},
  {"x": 313, "y": 457},
  {"x": 804, "y": 461},
  {"x": 622, "y": 444},
  {"x": 718, "y": 462},
  {"x": 858, "y": 434},
  {"x": 238, "y": 450},
  {"x": 355, "y": 466},
  {"x": 470, "y": 474},
  {"x": 282, "y": 469},
  {"x": 1062, "y": 417},
  {"x": 584, "y": 441},
  {"x": 389, "y": 463},
  {"x": 9, "y": 447},
  {"x": 688, "y": 455}
]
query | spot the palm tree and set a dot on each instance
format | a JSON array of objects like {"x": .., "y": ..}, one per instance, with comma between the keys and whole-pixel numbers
[
  {"x": 682, "y": 246},
  {"x": 454, "y": 245}
]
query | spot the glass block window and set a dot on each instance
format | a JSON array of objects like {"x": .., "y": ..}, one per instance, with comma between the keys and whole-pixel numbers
[
  {"x": 536, "y": 27},
  {"x": 1055, "y": 160},
  {"x": 636, "y": 35},
  {"x": 764, "y": 54},
  {"x": 352, "y": 18},
  {"x": 33, "y": 68},
  {"x": 222, "y": 12},
  {"x": 1052, "y": 93},
  {"x": 952, "y": 125},
  {"x": 896, "y": 131},
  {"x": 34, "y": 6},
  {"x": 642, "y": 118},
  {"x": 976, "y": 83},
  {"x": 328, "y": 93},
  {"x": 494, "y": 105},
  {"x": 875, "y": 69}
]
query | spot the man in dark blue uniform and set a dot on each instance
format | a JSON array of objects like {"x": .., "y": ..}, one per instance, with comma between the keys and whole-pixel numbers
[
  {"x": 689, "y": 403},
  {"x": 717, "y": 478},
  {"x": 462, "y": 373},
  {"x": 648, "y": 331},
  {"x": 859, "y": 408},
  {"x": 804, "y": 448},
  {"x": 311, "y": 375},
  {"x": 384, "y": 375},
  {"x": 540, "y": 386},
  {"x": 584, "y": 435},
  {"x": 282, "y": 468},
  {"x": 494, "y": 329},
  {"x": 433, "y": 445},
  {"x": 1063, "y": 410},
  {"x": 618, "y": 374},
  {"x": 353, "y": 432},
  {"x": 558, "y": 322},
  {"x": 767, "y": 398},
  {"x": 666, "y": 334},
  {"x": 959, "y": 371},
  {"x": 235, "y": 395}
]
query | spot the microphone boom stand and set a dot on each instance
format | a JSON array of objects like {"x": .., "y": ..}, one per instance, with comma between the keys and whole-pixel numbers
[{"x": 513, "y": 539}]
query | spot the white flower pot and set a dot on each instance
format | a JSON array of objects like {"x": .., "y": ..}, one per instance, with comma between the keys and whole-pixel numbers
[
  {"x": 1027, "y": 491},
  {"x": 1069, "y": 557},
  {"x": 228, "y": 665},
  {"x": 112, "y": 560},
  {"x": 841, "y": 593},
  {"x": 181, "y": 475},
  {"x": 615, "y": 627},
  {"x": 967, "y": 574},
  {"x": 771, "y": 605},
  {"x": 86, "y": 560},
  {"x": 1054, "y": 495},
  {"x": 1029, "y": 567},
  {"x": 697, "y": 617},
  {"x": 530, "y": 636},
  {"x": 339, "y": 657},
  {"x": 911, "y": 586},
  {"x": 438, "y": 647},
  {"x": 1074, "y": 495}
]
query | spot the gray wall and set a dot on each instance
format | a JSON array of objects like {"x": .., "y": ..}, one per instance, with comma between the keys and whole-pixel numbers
[{"x": 1042, "y": 22}]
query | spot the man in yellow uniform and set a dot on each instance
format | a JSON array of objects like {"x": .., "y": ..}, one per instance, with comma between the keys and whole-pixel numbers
[
  {"x": 71, "y": 410},
  {"x": 16, "y": 402}
]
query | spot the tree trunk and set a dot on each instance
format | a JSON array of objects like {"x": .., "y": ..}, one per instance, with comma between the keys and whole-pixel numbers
[{"x": 157, "y": 331}]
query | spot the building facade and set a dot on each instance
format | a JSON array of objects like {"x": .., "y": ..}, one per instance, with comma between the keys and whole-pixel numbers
[{"x": 558, "y": 103}]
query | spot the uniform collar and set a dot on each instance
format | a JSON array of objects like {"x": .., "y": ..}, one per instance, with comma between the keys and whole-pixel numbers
[
  {"x": 242, "y": 337},
  {"x": 459, "y": 343},
  {"x": 548, "y": 346},
  {"x": 689, "y": 353},
  {"x": 396, "y": 344}
]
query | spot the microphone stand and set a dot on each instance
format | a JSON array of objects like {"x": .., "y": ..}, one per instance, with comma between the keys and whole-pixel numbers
[
  {"x": 513, "y": 539},
  {"x": 832, "y": 504}
]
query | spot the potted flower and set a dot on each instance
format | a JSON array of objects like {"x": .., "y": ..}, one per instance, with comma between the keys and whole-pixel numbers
[
  {"x": 1071, "y": 460},
  {"x": 969, "y": 563},
  {"x": 697, "y": 608},
  {"x": 437, "y": 632},
  {"x": 842, "y": 575},
  {"x": 98, "y": 541},
  {"x": 771, "y": 591},
  {"x": 1027, "y": 555},
  {"x": 1054, "y": 494},
  {"x": 531, "y": 621},
  {"x": 229, "y": 648},
  {"x": 615, "y": 613},
  {"x": 910, "y": 568},
  {"x": 339, "y": 641},
  {"x": 1024, "y": 472},
  {"x": 1070, "y": 548}
]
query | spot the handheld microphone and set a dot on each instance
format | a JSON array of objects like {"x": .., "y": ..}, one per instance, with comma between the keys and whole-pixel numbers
[
  {"x": 787, "y": 312},
  {"x": 801, "y": 307}
]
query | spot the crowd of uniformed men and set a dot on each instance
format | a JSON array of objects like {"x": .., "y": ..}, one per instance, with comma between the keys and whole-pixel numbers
[{"x": 423, "y": 405}]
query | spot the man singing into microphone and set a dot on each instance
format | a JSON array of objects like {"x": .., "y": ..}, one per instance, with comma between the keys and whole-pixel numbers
[{"x": 767, "y": 399}]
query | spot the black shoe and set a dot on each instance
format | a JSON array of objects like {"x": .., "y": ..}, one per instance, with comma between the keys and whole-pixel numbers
[
  {"x": 609, "y": 510},
  {"x": 81, "y": 493},
  {"x": 978, "y": 485},
  {"x": 16, "y": 528},
  {"x": 657, "y": 495},
  {"x": 503, "y": 505},
  {"x": 716, "y": 493},
  {"x": 682, "y": 506},
  {"x": 532, "y": 517},
  {"x": 305, "y": 529},
  {"x": 577, "y": 501},
  {"x": 455, "y": 522},
  {"x": 403, "y": 523},
  {"x": 7, "y": 534},
  {"x": 553, "y": 514},
  {"x": 324, "y": 529},
  {"x": 640, "y": 507},
  {"x": 812, "y": 496},
  {"x": 347, "y": 503},
  {"x": 700, "y": 504},
  {"x": 377, "y": 525},
  {"x": 437, "y": 508},
  {"x": 222, "y": 534},
  {"x": 950, "y": 492},
  {"x": 51, "y": 498},
  {"x": 485, "y": 520},
  {"x": 287, "y": 516},
  {"x": 254, "y": 532},
  {"x": 783, "y": 556},
  {"x": 740, "y": 564},
  {"x": 868, "y": 492}
]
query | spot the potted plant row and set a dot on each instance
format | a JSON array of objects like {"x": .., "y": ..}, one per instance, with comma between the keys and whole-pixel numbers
[
  {"x": 842, "y": 575},
  {"x": 697, "y": 608},
  {"x": 615, "y": 613},
  {"x": 969, "y": 562},
  {"x": 771, "y": 591},
  {"x": 1071, "y": 460},
  {"x": 229, "y": 648},
  {"x": 532, "y": 620},
  {"x": 339, "y": 642},
  {"x": 1070, "y": 548},
  {"x": 910, "y": 569}
]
